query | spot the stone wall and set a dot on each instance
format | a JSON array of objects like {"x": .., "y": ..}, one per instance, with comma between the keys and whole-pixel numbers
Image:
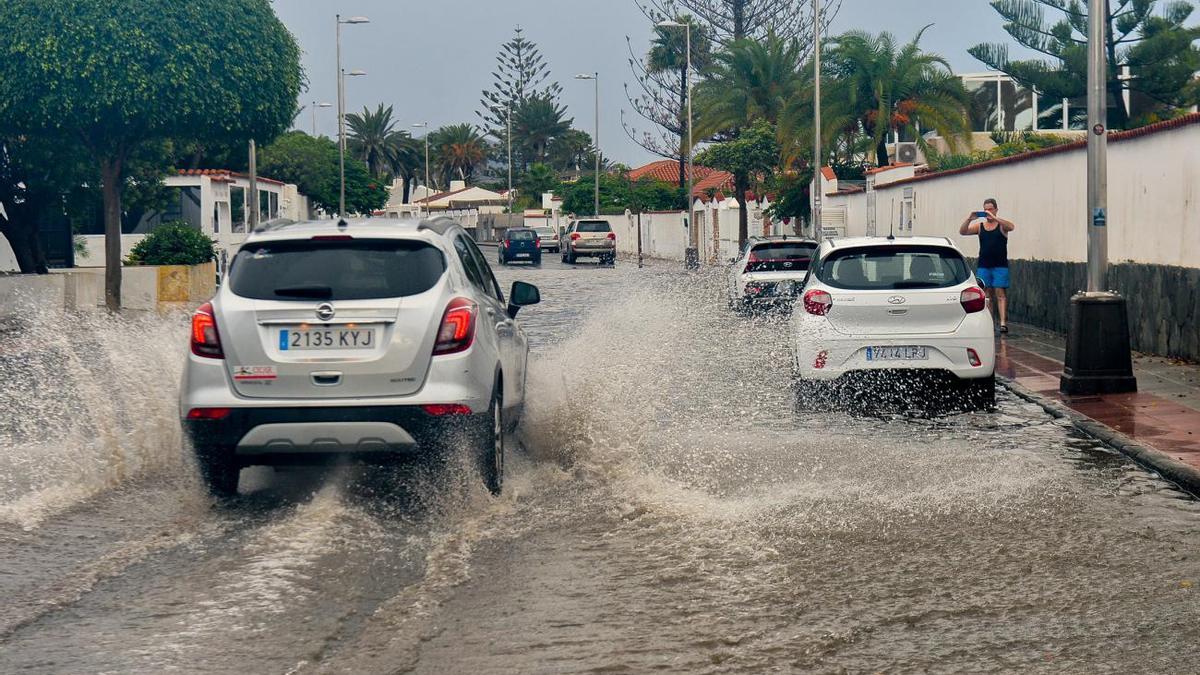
[{"x": 1164, "y": 301}]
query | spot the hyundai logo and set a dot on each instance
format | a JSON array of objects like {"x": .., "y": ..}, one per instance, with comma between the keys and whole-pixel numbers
[
  {"x": 897, "y": 300},
  {"x": 325, "y": 311}
]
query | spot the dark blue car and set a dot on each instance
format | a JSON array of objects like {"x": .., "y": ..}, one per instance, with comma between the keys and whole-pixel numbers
[{"x": 520, "y": 243}]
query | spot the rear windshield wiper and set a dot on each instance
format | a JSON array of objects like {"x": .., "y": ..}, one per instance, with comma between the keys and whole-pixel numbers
[{"x": 314, "y": 292}]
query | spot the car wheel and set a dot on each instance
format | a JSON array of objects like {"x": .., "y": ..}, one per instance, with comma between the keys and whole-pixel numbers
[
  {"x": 491, "y": 444},
  {"x": 811, "y": 395},
  {"x": 570, "y": 258},
  {"x": 219, "y": 471},
  {"x": 981, "y": 393},
  {"x": 537, "y": 262}
]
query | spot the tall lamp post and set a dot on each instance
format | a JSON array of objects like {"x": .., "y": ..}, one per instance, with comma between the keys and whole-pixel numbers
[
  {"x": 1098, "y": 359},
  {"x": 508, "y": 115},
  {"x": 316, "y": 105},
  {"x": 425, "y": 126},
  {"x": 818, "y": 163},
  {"x": 595, "y": 140},
  {"x": 341, "y": 96},
  {"x": 692, "y": 254}
]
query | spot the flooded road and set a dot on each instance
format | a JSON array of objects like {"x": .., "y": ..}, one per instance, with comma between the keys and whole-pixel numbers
[{"x": 668, "y": 511}]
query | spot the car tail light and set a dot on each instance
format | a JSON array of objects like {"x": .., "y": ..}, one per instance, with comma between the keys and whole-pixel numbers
[
  {"x": 973, "y": 357},
  {"x": 818, "y": 302},
  {"x": 505, "y": 243},
  {"x": 575, "y": 236},
  {"x": 457, "y": 332},
  {"x": 446, "y": 409},
  {"x": 821, "y": 360},
  {"x": 973, "y": 300},
  {"x": 206, "y": 339},
  {"x": 612, "y": 236},
  {"x": 537, "y": 243},
  {"x": 209, "y": 413}
]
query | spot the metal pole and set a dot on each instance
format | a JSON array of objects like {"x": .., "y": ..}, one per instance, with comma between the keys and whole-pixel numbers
[
  {"x": 314, "y": 112},
  {"x": 1097, "y": 254},
  {"x": 596, "y": 198},
  {"x": 639, "y": 239},
  {"x": 510, "y": 164},
  {"x": 695, "y": 231},
  {"x": 818, "y": 162},
  {"x": 341, "y": 94},
  {"x": 427, "y": 188},
  {"x": 253, "y": 212}
]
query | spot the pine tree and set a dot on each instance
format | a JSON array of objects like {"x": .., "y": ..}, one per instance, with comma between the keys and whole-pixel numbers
[{"x": 521, "y": 73}]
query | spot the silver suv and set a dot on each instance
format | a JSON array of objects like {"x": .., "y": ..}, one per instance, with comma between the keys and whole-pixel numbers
[
  {"x": 371, "y": 338},
  {"x": 589, "y": 238}
]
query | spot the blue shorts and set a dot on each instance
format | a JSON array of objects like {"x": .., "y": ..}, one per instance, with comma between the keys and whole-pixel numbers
[{"x": 993, "y": 277}]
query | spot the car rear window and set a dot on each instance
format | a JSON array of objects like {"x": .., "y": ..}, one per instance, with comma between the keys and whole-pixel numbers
[
  {"x": 522, "y": 235},
  {"x": 781, "y": 257},
  {"x": 894, "y": 268},
  {"x": 360, "y": 269},
  {"x": 593, "y": 226},
  {"x": 545, "y": 231}
]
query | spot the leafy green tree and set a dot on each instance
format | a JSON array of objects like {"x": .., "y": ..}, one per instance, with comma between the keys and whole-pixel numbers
[
  {"x": 880, "y": 87},
  {"x": 174, "y": 243},
  {"x": 618, "y": 193},
  {"x": 1159, "y": 49},
  {"x": 750, "y": 156},
  {"x": 572, "y": 151},
  {"x": 539, "y": 180},
  {"x": 115, "y": 74},
  {"x": 312, "y": 165}
]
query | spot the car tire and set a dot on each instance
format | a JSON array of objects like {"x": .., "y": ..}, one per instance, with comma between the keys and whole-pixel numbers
[
  {"x": 490, "y": 444},
  {"x": 981, "y": 393},
  {"x": 811, "y": 395},
  {"x": 537, "y": 262},
  {"x": 569, "y": 258},
  {"x": 218, "y": 471}
]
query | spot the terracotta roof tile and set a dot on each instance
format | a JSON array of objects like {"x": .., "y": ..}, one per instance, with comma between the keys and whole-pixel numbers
[{"x": 224, "y": 175}]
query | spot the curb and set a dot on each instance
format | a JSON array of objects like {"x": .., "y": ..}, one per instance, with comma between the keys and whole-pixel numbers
[{"x": 1184, "y": 476}]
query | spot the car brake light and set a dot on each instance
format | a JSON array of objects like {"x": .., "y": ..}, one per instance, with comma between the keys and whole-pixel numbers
[
  {"x": 333, "y": 237},
  {"x": 574, "y": 236},
  {"x": 537, "y": 242},
  {"x": 206, "y": 339},
  {"x": 612, "y": 236},
  {"x": 457, "y": 332},
  {"x": 973, "y": 357},
  {"x": 973, "y": 300},
  {"x": 821, "y": 360},
  {"x": 446, "y": 409},
  {"x": 818, "y": 302},
  {"x": 505, "y": 242},
  {"x": 209, "y": 413}
]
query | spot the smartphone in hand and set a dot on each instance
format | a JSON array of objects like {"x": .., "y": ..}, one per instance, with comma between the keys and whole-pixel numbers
[{"x": 981, "y": 214}]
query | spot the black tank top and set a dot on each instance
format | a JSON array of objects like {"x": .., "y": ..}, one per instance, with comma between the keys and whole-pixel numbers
[{"x": 993, "y": 247}]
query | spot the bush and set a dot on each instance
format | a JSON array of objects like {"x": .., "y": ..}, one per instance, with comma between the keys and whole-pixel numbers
[{"x": 175, "y": 243}]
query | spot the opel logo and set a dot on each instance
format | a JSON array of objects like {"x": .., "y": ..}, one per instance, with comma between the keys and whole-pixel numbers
[
  {"x": 897, "y": 300},
  {"x": 325, "y": 311}
]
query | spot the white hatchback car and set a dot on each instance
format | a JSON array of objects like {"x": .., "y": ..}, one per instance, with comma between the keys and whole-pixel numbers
[
  {"x": 877, "y": 308},
  {"x": 372, "y": 338},
  {"x": 769, "y": 272}
]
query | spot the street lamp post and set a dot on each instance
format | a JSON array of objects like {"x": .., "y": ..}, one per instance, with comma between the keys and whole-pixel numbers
[
  {"x": 692, "y": 254},
  {"x": 341, "y": 95},
  {"x": 1099, "y": 359},
  {"x": 316, "y": 105},
  {"x": 508, "y": 115},
  {"x": 425, "y": 126},
  {"x": 595, "y": 140},
  {"x": 818, "y": 190}
]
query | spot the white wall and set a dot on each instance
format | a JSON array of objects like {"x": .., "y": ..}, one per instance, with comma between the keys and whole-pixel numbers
[
  {"x": 94, "y": 244},
  {"x": 1153, "y": 200}
]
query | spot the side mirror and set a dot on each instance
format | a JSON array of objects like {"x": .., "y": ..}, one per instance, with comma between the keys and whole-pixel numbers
[{"x": 522, "y": 295}]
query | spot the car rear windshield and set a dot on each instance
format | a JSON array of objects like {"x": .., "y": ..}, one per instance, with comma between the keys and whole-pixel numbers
[
  {"x": 543, "y": 231},
  {"x": 894, "y": 268},
  {"x": 360, "y": 269},
  {"x": 783, "y": 256},
  {"x": 593, "y": 226},
  {"x": 522, "y": 235}
]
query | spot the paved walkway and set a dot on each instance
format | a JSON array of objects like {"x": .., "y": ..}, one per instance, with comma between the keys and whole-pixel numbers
[{"x": 1164, "y": 414}]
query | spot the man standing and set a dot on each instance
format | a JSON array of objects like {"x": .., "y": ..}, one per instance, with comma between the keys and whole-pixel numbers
[{"x": 993, "y": 254}]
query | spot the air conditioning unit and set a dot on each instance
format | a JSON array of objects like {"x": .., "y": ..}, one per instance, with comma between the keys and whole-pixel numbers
[{"x": 906, "y": 153}]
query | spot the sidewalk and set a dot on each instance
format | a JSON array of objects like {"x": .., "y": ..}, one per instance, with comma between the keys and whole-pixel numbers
[{"x": 1163, "y": 416}]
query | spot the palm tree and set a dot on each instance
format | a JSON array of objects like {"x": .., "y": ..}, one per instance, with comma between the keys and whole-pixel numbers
[
  {"x": 407, "y": 159},
  {"x": 668, "y": 54},
  {"x": 571, "y": 150},
  {"x": 460, "y": 149},
  {"x": 537, "y": 121},
  {"x": 883, "y": 88},
  {"x": 371, "y": 138}
]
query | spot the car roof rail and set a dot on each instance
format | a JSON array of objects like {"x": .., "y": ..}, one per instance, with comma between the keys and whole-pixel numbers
[{"x": 438, "y": 225}]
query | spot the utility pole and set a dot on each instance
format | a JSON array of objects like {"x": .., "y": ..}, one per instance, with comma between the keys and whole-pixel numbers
[
  {"x": 595, "y": 140},
  {"x": 818, "y": 190},
  {"x": 691, "y": 256},
  {"x": 341, "y": 96},
  {"x": 1099, "y": 358},
  {"x": 510, "y": 164},
  {"x": 252, "y": 202}
]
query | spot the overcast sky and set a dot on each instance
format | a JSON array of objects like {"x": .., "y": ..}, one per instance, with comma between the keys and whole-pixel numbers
[{"x": 431, "y": 60}]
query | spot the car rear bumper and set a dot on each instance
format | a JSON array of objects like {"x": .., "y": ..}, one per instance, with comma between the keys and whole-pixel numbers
[
  {"x": 824, "y": 358},
  {"x": 280, "y": 435}
]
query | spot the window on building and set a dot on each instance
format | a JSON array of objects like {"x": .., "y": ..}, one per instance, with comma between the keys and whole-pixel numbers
[{"x": 237, "y": 204}]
